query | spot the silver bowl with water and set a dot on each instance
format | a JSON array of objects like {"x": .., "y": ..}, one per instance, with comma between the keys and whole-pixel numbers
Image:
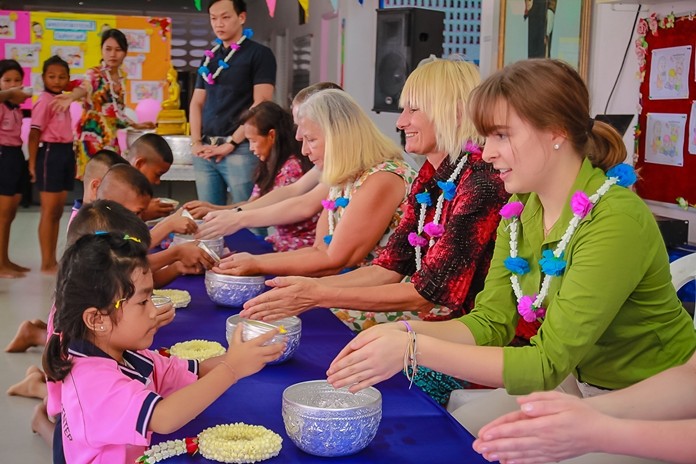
[
  {"x": 227, "y": 290},
  {"x": 251, "y": 329},
  {"x": 324, "y": 421}
]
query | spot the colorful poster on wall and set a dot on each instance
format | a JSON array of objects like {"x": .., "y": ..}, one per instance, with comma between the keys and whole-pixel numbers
[
  {"x": 665, "y": 138},
  {"x": 669, "y": 73},
  {"x": 32, "y": 37}
]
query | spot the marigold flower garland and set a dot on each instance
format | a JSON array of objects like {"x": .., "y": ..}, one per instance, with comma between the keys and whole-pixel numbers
[
  {"x": 229, "y": 443},
  {"x": 197, "y": 349},
  {"x": 222, "y": 64},
  {"x": 552, "y": 262},
  {"x": 449, "y": 190},
  {"x": 332, "y": 204}
]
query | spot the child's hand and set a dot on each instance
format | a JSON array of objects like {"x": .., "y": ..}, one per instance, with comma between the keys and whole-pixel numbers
[
  {"x": 199, "y": 208},
  {"x": 32, "y": 173},
  {"x": 17, "y": 96},
  {"x": 190, "y": 254},
  {"x": 62, "y": 102},
  {"x": 180, "y": 225},
  {"x": 165, "y": 315},
  {"x": 247, "y": 358}
]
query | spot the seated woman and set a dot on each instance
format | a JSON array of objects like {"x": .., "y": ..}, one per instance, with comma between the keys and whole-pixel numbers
[
  {"x": 369, "y": 181},
  {"x": 583, "y": 256},
  {"x": 446, "y": 272},
  {"x": 271, "y": 134}
]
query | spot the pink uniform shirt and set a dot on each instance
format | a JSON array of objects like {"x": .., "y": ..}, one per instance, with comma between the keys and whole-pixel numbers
[
  {"x": 106, "y": 407},
  {"x": 10, "y": 125},
  {"x": 55, "y": 126}
]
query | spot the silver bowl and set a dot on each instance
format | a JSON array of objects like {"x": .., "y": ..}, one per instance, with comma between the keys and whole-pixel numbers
[
  {"x": 324, "y": 421},
  {"x": 252, "y": 329},
  {"x": 216, "y": 245},
  {"x": 227, "y": 290}
]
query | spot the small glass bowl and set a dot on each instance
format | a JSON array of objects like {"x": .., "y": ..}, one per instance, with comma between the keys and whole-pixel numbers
[{"x": 251, "y": 329}]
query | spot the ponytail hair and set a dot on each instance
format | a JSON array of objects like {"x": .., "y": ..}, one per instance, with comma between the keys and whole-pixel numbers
[
  {"x": 95, "y": 272},
  {"x": 549, "y": 95}
]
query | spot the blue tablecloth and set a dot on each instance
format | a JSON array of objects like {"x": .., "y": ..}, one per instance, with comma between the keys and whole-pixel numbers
[{"x": 413, "y": 429}]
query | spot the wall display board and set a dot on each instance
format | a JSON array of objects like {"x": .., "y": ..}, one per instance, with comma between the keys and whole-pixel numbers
[
  {"x": 666, "y": 131},
  {"x": 32, "y": 37}
]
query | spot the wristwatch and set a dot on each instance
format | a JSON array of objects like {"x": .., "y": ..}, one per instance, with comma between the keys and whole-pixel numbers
[{"x": 231, "y": 141}]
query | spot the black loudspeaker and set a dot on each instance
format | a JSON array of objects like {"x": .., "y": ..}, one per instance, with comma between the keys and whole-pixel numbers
[{"x": 405, "y": 36}]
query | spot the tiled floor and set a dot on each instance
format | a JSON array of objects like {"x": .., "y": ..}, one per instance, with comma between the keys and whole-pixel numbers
[{"x": 21, "y": 299}]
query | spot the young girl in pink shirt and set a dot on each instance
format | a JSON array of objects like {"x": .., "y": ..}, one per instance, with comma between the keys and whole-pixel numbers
[
  {"x": 51, "y": 156},
  {"x": 13, "y": 168},
  {"x": 114, "y": 392}
]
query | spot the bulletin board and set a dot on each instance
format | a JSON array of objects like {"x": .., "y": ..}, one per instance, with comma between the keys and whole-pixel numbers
[
  {"x": 666, "y": 132},
  {"x": 32, "y": 37}
]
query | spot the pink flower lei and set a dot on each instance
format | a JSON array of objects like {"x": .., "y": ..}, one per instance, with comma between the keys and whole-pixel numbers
[
  {"x": 222, "y": 64},
  {"x": 552, "y": 262},
  {"x": 448, "y": 188}
]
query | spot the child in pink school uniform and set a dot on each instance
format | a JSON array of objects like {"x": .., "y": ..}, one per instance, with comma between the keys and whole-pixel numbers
[
  {"x": 114, "y": 392},
  {"x": 51, "y": 157},
  {"x": 13, "y": 169}
]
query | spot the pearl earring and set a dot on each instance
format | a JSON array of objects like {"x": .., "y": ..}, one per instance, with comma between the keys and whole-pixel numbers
[
  {"x": 101, "y": 327},
  {"x": 556, "y": 146}
]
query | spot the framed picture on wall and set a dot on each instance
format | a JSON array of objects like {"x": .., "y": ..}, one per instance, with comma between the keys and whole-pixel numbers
[{"x": 545, "y": 28}]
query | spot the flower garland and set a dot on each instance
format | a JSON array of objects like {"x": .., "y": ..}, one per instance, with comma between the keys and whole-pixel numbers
[
  {"x": 199, "y": 350},
  {"x": 222, "y": 64},
  {"x": 449, "y": 190},
  {"x": 229, "y": 443},
  {"x": 552, "y": 262},
  {"x": 652, "y": 24},
  {"x": 332, "y": 204},
  {"x": 114, "y": 96}
]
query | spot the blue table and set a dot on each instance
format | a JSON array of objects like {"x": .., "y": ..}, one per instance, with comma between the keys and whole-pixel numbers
[{"x": 413, "y": 429}]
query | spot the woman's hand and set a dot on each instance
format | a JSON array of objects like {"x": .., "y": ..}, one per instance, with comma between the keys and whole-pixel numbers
[
  {"x": 218, "y": 223},
  {"x": 290, "y": 297},
  {"x": 62, "y": 102},
  {"x": 372, "y": 356},
  {"x": 148, "y": 125},
  {"x": 199, "y": 208},
  {"x": 239, "y": 264},
  {"x": 550, "y": 427}
]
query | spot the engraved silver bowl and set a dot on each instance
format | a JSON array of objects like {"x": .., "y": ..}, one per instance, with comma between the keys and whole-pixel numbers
[
  {"x": 324, "y": 421},
  {"x": 252, "y": 329},
  {"x": 227, "y": 290},
  {"x": 216, "y": 245}
]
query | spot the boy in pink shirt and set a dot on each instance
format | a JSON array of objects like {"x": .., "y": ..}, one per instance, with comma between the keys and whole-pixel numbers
[
  {"x": 51, "y": 157},
  {"x": 13, "y": 169}
]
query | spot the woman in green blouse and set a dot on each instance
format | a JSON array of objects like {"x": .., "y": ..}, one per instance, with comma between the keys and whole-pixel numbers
[{"x": 577, "y": 254}]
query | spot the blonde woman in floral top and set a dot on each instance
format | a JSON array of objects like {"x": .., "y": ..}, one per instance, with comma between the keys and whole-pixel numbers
[{"x": 368, "y": 179}]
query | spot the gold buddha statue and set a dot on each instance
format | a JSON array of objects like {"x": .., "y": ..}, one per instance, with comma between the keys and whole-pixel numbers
[{"x": 172, "y": 120}]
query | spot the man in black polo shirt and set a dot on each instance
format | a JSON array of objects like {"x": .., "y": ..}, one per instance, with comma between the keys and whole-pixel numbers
[{"x": 223, "y": 161}]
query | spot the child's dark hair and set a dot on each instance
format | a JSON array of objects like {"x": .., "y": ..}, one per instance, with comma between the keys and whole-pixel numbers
[
  {"x": 108, "y": 157},
  {"x": 95, "y": 272},
  {"x": 266, "y": 116},
  {"x": 118, "y": 36},
  {"x": 10, "y": 65},
  {"x": 155, "y": 142},
  {"x": 238, "y": 5},
  {"x": 57, "y": 60},
  {"x": 127, "y": 174},
  {"x": 107, "y": 215}
]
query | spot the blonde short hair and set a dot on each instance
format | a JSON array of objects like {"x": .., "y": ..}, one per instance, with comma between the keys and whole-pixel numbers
[
  {"x": 440, "y": 88},
  {"x": 353, "y": 144}
]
